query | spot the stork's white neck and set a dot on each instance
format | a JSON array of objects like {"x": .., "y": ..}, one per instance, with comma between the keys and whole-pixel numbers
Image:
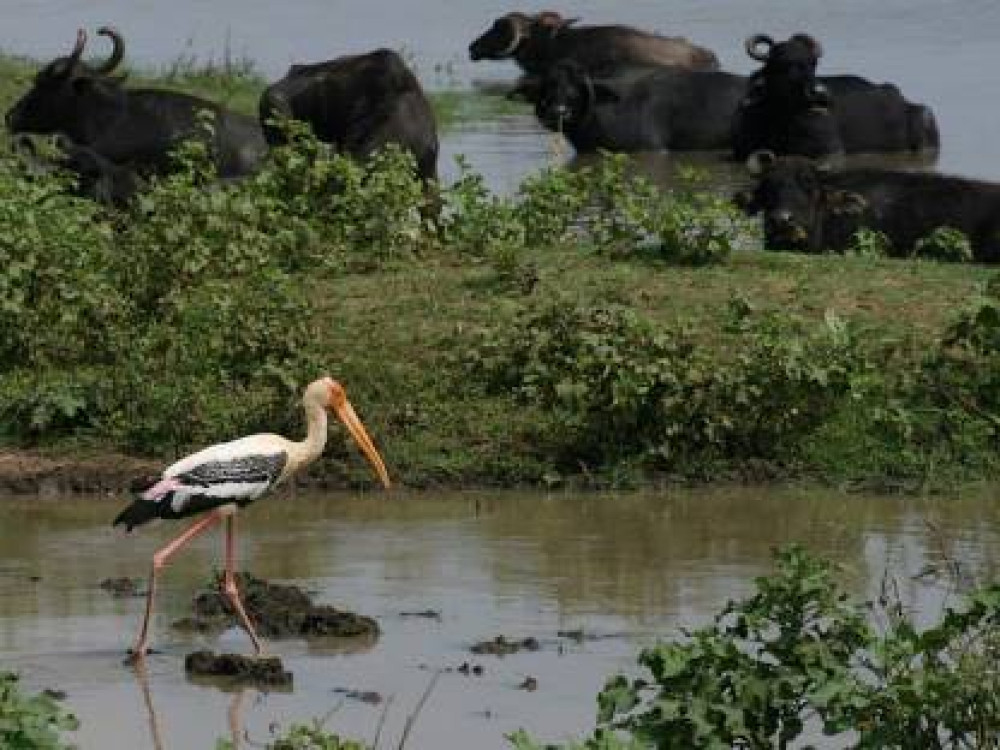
[{"x": 307, "y": 450}]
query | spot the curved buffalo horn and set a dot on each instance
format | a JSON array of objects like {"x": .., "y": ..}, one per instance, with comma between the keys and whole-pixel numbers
[
  {"x": 814, "y": 46},
  {"x": 81, "y": 42},
  {"x": 759, "y": 161},
  {"x": 117, "y": 52},
  {"x": 752, "y": 44}
]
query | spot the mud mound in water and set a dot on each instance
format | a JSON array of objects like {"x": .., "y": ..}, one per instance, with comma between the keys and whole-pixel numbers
[
  {"x": 237, "y": 669},
  {"x": 502, "y": 646},
  {"x": 277, "y": 611}
]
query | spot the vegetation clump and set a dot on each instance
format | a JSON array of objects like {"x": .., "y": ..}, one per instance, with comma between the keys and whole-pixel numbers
[
  {"x": 31, "y": 722},
  {"x": 797, "y": 660}
]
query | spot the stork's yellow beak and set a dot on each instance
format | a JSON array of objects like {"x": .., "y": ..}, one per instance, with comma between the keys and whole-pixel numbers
[{"x": 345, "y": 412}]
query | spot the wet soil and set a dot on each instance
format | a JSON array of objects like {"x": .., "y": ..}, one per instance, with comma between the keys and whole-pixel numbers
[
  {"x": 25, "y": 472},
  {"x": 267, "y": 671},
  {"x": 277, "y": 611}
]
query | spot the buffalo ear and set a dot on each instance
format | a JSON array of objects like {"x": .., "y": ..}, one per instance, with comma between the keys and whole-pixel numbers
[
  {"x": 604, "y": 94},
  {"x": 807, "y": 40},
  {"x": 846, "y": 202},
  {"x": 760, "y": 161}
]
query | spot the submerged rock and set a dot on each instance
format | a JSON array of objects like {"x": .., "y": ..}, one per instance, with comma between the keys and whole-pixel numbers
[
  {"x": 276, "y": 611},
  {"x": 242, "y": 670},
  {"x": 501, "y": 646},
  {"x": 124, "y": 587}
]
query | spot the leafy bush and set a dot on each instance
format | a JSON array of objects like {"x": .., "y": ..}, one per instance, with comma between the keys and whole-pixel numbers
[
  {"x": 869, "y": 243},
  {"x": 31, "y": 722},
  {"x": 944, "y": 243},
  {"x": 797, "y": 658},
  {"x": 302, "y": 737},
  {"x": 614, "y": 385}
]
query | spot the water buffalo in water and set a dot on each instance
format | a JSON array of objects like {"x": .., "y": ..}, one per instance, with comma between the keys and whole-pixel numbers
[
  {"x": 638, "y": 109},
  {"x": 357, "y": 103},
  {"x": 135, "y": 128},
  {"x": 789, "y": 110},
  {"x": 537, "y": 42},
  {"x": 809, "y": 208}
]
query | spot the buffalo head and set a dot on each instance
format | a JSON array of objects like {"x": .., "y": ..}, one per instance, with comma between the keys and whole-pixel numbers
[
  {"x": 567, "y": 94},
  {"x": 796, "y": 201},
  {"x": 788, "y": 74},
  {"x": 503, "y": 38},
  {"x": 55, "y": 100}
]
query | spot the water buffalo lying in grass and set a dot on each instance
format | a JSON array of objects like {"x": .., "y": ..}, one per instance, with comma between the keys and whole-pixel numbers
[
  {"x": 358, "y": 104},
  {"x": 134, "y": 128},
  {"x": 789, "y": 110},
  {"x": 538, "y": 41},
  {"x": 808, "y": 208}
]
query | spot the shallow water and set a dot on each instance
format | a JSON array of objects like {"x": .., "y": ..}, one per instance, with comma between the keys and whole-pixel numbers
[
  {"x": 940, "y": 52},
  {"x": 624, "y": 568}
]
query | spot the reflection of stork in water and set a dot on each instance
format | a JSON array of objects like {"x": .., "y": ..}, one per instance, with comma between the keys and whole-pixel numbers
[
  {"x": 234, "y": 711},
  {"x": 222, "y": 478}
]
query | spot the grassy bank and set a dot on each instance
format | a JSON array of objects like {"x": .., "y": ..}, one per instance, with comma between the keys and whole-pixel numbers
[{"x": 589, "y": 328}]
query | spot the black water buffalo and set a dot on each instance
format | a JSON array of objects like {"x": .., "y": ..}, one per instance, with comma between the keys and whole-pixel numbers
[
  {"x": 789, "y": 110},
  {"x": 538, "y": 41},
  {"x": 130, "y": 127},
  {"x": 808, "y": 208},
  {"x": 97, "y": 178},
  {"x": 357, "y": 103},
  {"x": 638, "y": 109}
]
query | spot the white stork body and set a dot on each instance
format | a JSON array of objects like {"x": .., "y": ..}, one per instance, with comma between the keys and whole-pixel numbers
[{"x": 224, "y": 477}]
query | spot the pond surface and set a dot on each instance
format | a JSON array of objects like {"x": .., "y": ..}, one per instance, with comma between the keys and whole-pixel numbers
[
  {"x": 623, "y": 568},
  {"x": 940, "y": 52}
]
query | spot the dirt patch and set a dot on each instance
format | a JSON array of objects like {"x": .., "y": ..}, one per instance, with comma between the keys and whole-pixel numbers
[
  {"x": 235, "y": 669},
  {"x": 34, "y": 473},
  {"x": 277, "y": 611}
]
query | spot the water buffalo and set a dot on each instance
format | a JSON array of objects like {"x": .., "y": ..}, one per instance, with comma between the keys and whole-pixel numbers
[
  {"x": 536, "y": 42},
  {"x": 357, "y": 103},
  {"x": 809, "y": 208},
  {"x": 97, "y": 178},
  {"x": 129, "y": 127},
  {"x": 638, "y": 109},
  {"x": 789, "y": 110}
]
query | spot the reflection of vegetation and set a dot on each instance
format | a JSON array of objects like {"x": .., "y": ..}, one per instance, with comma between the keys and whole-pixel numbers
[
  {"x": 797, "y": 658},
  {"x": 31, "y": 722}
]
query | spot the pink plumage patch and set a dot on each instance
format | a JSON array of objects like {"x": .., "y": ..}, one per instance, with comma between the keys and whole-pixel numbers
[{"x": 161, "y": 489}]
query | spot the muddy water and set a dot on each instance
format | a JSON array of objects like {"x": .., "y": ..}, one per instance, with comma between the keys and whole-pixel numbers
[
  {"x": 941, "y": 53},
  {"x": 624, "y": 568}
]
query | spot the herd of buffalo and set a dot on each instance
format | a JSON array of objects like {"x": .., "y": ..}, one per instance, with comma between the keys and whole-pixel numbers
[{"x": 607, "y": 87}]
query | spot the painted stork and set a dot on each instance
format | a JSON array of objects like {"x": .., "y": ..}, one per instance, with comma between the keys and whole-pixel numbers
[{"x": 222, "y": 478}]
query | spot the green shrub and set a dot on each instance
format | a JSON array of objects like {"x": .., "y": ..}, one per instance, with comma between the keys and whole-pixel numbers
[
  {"x": 303, "y": 737},
  {"x": 869, "y": 243},
  {"x": 31, "y": 722},
  {"x": 615, "y": 386},
  {"x": 797, "y": 651},
  {"x": 944, "y": 243}
]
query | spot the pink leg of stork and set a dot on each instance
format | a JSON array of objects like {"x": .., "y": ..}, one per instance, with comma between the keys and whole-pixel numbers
[
  {"x": 229, "y": 584},
  {"x": 160, "y": 560}
]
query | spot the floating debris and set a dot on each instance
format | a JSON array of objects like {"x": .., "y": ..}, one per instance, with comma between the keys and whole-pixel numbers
[
  {"x": 530, "y": 684},
  {"x": 237, "y": 669},
  {"x": 123, "y": 587},
  {"x": 500, "y": 646}
]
